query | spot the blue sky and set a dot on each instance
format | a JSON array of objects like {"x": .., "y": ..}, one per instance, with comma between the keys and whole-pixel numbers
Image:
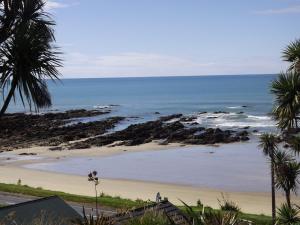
[{"x": 117, "y": 38}]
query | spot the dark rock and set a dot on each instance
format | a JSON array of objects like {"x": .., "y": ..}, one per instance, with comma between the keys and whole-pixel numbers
[
  {"x": 58, "y": 148},
  {"x": 244, "y": 138},
  {"x": 188, "y": 119},
  {"x": 255, "y": 131},
  {"x": 27, "y": 153},
  {"x": 51, "y": 129},
  {"x": 157, "y": 113},
  {"x": 242, "y": 133},
  {"x": 221, "y": 112},
  {"x": 167, "y": 118},
  {"x": 79, "y": 145}
]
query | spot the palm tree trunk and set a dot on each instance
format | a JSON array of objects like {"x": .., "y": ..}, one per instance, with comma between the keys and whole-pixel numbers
[
  {"x": 273, "y": 189},
  {"x": 8, "y": 98},
  {"x": 288, "y": 197}
]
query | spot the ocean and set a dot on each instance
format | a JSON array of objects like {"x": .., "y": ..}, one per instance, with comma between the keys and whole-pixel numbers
[{"x": 246, "y": 99}]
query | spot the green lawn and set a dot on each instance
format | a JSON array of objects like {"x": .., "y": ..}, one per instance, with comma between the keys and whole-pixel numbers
[{"x": 115, "y": 202}]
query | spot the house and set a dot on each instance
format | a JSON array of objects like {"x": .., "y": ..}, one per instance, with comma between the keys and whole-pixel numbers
[{"x": 51, "y": 211}]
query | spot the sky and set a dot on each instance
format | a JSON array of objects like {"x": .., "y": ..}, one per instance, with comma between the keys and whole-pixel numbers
[{"x": 136, "y": 38}]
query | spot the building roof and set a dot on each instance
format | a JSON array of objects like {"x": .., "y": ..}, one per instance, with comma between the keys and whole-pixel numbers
[
  {"x": 50, "y": 211},
  {"x": 164, "y": 206}
]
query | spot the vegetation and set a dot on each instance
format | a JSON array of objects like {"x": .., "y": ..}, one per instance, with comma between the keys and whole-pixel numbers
[
  {"x": 115, "y": 202},
  {"x": 288, "y": 215},
  {"x": 292, "y": 54},
  {"x": 268, "y": 143},
  {"x": 228, "y": 205},
  {"x": 92, "y": 220},
  {"x": 286, "y": 89},
  {"x": 151, "y": 217},
  {"x": 92, "y": 177},
  {"x": 207, "y": 216},
  {"x": 287, "y": 173},
  {"x": 27, "y": 54},
  {"x": 285, "y": 169}
]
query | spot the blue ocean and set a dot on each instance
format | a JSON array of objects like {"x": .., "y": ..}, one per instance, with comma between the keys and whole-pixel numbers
[{"x": 246, "y": 99}]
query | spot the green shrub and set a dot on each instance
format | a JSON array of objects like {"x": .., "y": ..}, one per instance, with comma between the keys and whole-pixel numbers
[{"x": 151, "y": 217}]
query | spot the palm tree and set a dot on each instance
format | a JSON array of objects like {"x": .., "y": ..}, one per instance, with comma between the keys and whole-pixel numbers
[
  {"x": 288, "y": 215},
  {"x": 28, "y": 57},
  {"x": 286, "y": 89},
  {"x": 292, "y": 54},
  {"x": 294, "y": 142},
  {"x": 287, "y": 170},
  {"x": 268, "y": 143}
]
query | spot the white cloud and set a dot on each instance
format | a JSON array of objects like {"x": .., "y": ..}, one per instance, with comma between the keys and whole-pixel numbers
[
  {"x": 287, "y": 10},
  {"x": 50, "y": 5},
  {"x": 149, "y": 64},
  {"x": 54, "y": 5}
]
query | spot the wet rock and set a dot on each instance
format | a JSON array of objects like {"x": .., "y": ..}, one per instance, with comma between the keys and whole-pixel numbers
[
  {"x": 244, "y": 138},
  {"x": 23, "y": 130},
  {"x": 167, "y": 118},
  {"x": 57, "y": 148},
  {"x": 188, "y": 118},
  {"x": 221, "y": 112},
  {"x": 79, "y": 145},
  {"x": 27, "y": 153}
]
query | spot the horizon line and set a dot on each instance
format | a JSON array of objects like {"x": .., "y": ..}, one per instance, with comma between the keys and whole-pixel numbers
[{"x": 169, "y": 76}]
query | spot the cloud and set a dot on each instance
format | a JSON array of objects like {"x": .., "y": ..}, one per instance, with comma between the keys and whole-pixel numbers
[
  {"x": 288, "y": 10},
  {"x": 50, "y": 5},
  {"x": 54, "y": 5},
  {"x": 150, "y": 64}
]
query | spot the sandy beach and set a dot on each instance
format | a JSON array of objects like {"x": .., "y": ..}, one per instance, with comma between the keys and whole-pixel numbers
[{"x": 250, "y": 202}]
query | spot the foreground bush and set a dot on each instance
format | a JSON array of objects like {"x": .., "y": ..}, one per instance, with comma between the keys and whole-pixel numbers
[{"x": 151, "y": 217}]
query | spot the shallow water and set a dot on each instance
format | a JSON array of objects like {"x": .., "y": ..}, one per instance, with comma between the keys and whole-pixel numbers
[{"x": 231, "y": 167}]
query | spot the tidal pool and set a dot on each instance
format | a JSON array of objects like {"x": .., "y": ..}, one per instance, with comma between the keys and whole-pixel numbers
[{"x": 230, "y": 167}]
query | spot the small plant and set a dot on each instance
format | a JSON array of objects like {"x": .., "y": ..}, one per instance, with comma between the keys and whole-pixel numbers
[
  {"x": 93, "y": 220},
  {"x": 287, "y": 215},
  {"x": 227, "y": 205},
  {"x": 92, "y": 177},
  {"x": 151, "y": 217},
  {"x": 208, "y": 216}
]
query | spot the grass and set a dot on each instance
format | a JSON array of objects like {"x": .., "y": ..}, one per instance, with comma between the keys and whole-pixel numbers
[{"x": 114, "y": 202}]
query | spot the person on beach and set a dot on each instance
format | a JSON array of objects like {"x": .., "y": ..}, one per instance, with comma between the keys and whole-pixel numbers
[{"x": 158, "y": 197}]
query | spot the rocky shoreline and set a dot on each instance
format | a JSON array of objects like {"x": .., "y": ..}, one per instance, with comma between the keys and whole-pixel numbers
[{"x": 54, "y": 129}]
